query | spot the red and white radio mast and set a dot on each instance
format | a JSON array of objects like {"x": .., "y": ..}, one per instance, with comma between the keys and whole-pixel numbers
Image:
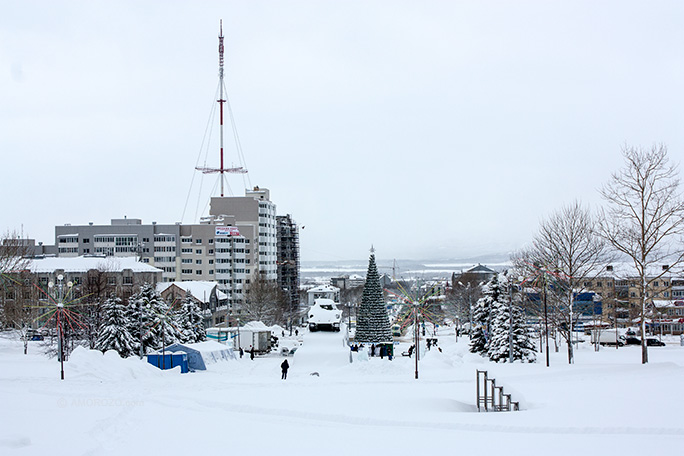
[{"x": 221, "y": 170}]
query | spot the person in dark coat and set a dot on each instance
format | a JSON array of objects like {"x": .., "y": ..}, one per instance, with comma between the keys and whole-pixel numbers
[
  {"x": 285, "y": 366},
  {"x": 251, "y": 353},
  {"x": 242, "y": 352}
]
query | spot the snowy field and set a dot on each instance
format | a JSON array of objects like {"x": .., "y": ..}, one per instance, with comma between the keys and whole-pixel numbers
[{"x": 607, "y": 404}]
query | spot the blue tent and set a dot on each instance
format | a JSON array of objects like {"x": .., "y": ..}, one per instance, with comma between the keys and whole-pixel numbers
[
  {"x": 169, "y": 360},
  {"x": 202, "y": 353}
]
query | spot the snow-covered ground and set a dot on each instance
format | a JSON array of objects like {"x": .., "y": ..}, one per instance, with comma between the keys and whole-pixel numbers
[{"x": 607, "y": 403}]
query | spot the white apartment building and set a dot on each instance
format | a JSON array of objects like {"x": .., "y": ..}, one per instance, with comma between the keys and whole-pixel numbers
[{"x": 237, "y": 241}]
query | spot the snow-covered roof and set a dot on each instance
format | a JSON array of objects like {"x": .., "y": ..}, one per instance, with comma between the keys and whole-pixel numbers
[
  {"x": 200, "y": 289},
  {"x": 87, "y": 263},
  {"x": 324, "y": 289},
  {"x": 207, "y": 346},
  {"x": 626, "y": 270},
  {"x": 480, "y": 269},
  {"x": 256, "y": 326},
  {"x": 660, "y": 303}
]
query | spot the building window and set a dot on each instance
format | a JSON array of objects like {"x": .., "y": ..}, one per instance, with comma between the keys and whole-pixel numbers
[
  {"x": 198, "y": 262},
  {"x": 186, "y": 271},
  {"x": 211, "y": 271},
  {"x": 111, "y": 280},
  {"x": 86, "y": 240},
  {"x": 128, "y": 280},
  {"x": 198, "y": 251},
  {"x": 211, "y": 241},
  {"x": 198, "y": 241},
  {"x": 198, "y": 272},
  {"x": 211, "y": 261},
  {"x": 186, "y": 261}
]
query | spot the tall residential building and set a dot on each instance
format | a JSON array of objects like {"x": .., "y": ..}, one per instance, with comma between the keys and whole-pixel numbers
[{"x": 230, "y": 246}]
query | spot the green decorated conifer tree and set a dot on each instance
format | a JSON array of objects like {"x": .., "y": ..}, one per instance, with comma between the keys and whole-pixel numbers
[{"x": 372, "y": 325}]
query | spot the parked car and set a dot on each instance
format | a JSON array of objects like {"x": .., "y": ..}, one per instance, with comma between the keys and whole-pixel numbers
[
  {"x": 650, "y": 341},
  {"x": 653, "y": 342}
]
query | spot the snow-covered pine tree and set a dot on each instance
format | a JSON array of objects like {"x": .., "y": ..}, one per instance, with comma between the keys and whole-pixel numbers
[
  {"x": 480, "y": 332},
  {"x": 500, "y": 340},
  {"x": 140, "y": 312},
  {"x": 164, "y": 327},
  {"x": 113, "y": 333},
  {"x": 372, "y": 324},
  {"x": 190, "y": 322}
]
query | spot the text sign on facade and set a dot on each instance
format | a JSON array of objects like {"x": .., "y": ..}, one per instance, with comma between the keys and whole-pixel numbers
[{"x": 227, "y": 231}]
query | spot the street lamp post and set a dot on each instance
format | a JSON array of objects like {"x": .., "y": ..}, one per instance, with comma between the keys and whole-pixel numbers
[
  {"x": 60, "y": 319},
  {"x": 510, "y": 321},
  {"x": 416, "y": 335},
  {"x": 546, "y": 322}
]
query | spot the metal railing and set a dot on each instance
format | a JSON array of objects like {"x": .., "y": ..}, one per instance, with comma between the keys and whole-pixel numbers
[{"x": 490, "y": 397}]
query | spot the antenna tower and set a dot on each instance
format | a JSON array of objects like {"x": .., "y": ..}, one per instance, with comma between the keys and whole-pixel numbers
[{"x": 221, "y": 170}]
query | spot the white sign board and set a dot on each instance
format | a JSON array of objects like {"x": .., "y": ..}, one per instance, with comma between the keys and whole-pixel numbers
[{"x": 227, "y": 231}]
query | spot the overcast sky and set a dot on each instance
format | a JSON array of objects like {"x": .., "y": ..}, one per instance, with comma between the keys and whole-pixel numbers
[{"x": 430, "y": 129}]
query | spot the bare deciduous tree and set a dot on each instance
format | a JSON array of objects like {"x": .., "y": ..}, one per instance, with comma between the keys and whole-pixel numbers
[
  {"x": 265, "y": 301},
  {"x": 644, "y": 218},
  {"x": 95, "y": 289},
  {"x": 568, "y": 245},
  {"x": 14, "y": 253},
  {"x": 17, "y": 294}
]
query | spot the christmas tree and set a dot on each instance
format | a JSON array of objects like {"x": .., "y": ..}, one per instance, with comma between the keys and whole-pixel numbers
[
  {"x": 113, "y": 332},
  {"x": 502, "y": 337},
  {"x": 372, "y": 324}
]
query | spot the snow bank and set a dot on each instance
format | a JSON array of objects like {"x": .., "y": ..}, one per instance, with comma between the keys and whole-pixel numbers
[{"x": 109, "y": 366}]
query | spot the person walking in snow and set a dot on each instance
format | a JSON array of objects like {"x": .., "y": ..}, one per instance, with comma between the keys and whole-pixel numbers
[
  {"x": 242, "y": 352},
  {"x": 251, "y": 353},
  {"x": 285, "y": 366}
]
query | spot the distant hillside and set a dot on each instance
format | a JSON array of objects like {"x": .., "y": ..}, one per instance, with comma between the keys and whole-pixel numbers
[{"x": 319, "y": 271}]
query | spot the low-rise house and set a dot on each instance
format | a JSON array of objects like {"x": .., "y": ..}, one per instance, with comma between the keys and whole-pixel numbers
[{"x": 212, "y": 301}]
